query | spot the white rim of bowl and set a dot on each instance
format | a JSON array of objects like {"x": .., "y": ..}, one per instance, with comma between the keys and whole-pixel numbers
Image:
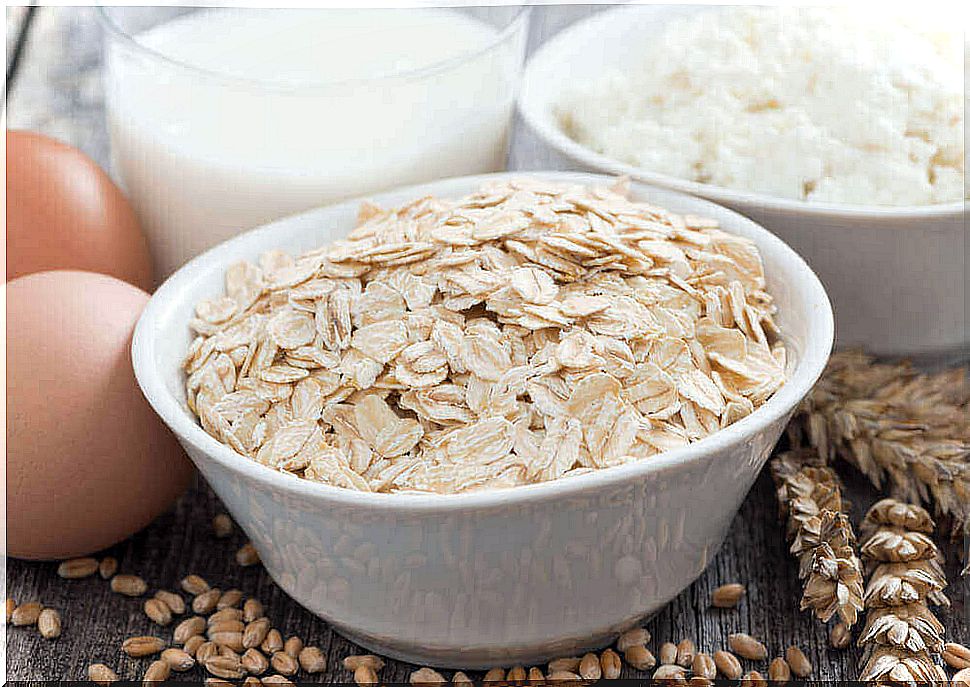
[
  {"x": 806, "y": 372},
  {"x": 111, "y": 27},
  {"x": 539, "y": 116}
]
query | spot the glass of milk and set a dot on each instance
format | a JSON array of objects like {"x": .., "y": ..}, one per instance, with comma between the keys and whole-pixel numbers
[{"x": 224, "y": 119}]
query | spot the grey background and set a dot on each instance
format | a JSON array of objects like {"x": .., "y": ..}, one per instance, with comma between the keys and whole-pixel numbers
[{"x": 58, "y": 92}]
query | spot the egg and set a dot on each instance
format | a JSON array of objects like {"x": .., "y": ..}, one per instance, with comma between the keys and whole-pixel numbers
[
  {"x": 64, "y": 212},
  {"x": 88, "y": 461}
]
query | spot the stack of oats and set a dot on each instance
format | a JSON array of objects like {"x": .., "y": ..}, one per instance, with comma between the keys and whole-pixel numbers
[{"x": 521, "y": 334}]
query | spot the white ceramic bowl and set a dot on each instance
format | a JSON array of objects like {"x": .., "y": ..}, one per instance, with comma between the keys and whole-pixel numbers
[
  {"x": 897, "y": 276},
  {"x": 487, "y": 578}
]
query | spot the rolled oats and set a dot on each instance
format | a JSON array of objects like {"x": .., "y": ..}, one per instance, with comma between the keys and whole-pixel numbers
[{"x": 521, "y": 334}]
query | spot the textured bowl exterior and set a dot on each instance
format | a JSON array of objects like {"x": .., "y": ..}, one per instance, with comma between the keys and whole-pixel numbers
[
  {"x": 898, "y": 277},
  {"x": 487, "y": 578}
]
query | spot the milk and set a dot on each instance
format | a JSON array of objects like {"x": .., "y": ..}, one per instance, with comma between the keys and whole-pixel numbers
[{"x": 244, "y": 116}]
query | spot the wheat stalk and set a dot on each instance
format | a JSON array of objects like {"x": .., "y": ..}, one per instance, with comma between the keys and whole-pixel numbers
[
  {"x": 901, "y": 635},
  {"x": 903, "y": 429},
  {"x": 821, "y": 536}
]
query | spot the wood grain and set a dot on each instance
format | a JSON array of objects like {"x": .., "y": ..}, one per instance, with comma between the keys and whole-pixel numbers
[{"x": 58, "y": 92}]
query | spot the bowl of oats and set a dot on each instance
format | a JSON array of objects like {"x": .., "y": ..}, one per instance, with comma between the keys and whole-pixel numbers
[
  {"x": 810, "y": 120},
  {"x": 487, "y": 420}
]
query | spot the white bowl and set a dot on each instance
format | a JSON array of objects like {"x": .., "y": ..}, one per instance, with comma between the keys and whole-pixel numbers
[
  {"x": 486, "y": 578},
  {"x": 897, "y": 276}
]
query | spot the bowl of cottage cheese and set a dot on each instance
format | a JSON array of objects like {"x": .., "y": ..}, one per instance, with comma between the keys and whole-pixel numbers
[{"x": 841, "y": 131}]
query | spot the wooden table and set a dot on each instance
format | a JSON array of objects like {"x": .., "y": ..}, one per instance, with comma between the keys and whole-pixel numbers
[{"x": 57, "y": 91}]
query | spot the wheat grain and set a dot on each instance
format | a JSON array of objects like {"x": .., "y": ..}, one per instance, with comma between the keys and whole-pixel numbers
[
  {"x": 178, "y": 659},
  {"x": 254, "y": 662},
  {"x": 26, "y": 614},
  {"x": 49, "y": 623},
  {"x": 610, "y": 665},
  {"x": 101, "y": 674},
  {"x": 221, "y": 526},
  {"x": 158, "y": 671},
  {"x": 77, "y": 568},
  {"x": 158, "y": 611},
  {"x": 128, "y": 585},
  {"x": 639, "y": 657},
  {"x": 108, "y": 567},
  {"x": 727, "y": 595},
  {"x": 746, "y": 646},
  {"x": 312, "y": 659},
  {"x": 175, "y": 603},
  {"x": 247, "y": 555},
  {"x": 727, "y": 664},
  {"x": 139, "y": 647},
  {"x": 194, "y": 585},
  {"x": 956, "y": 655}
]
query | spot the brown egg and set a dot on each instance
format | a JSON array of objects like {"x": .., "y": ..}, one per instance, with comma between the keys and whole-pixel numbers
[
  {"x": 63, "y": 212},
  {"x": 88, "y": 461}
]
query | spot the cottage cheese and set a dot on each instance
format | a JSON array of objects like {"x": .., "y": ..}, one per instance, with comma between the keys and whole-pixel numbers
[{"x": 807, "y": 103}]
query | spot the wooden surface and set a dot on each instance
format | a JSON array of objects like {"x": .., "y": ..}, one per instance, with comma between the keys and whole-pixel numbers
[{"x": 58, "y": 92}]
